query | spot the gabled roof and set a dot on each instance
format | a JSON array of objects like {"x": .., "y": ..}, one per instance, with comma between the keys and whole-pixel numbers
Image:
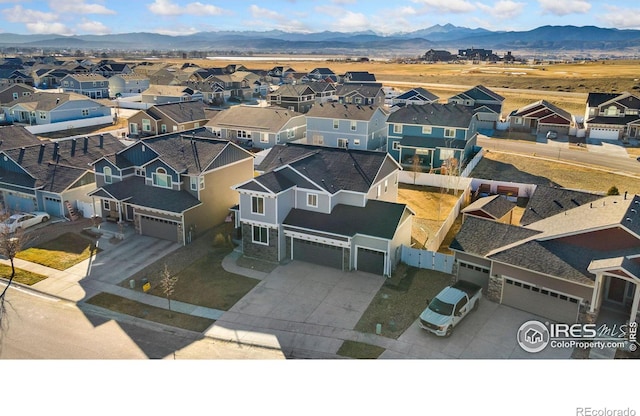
[
  {"x": 548, "y": 201},
  {"x": 480, "y": 93},
  {"x": 594, "y": 99},
  {"x": 296, "y": 90},
  {"x": 359, "y": 76},
  {"x": 329, "y": 168},
  {"x": 377, "y": 219},
  {"x": 320, "y": 86},
  {"x": 169, "y": 90},
  {"x": 481, "y": 236},
  {"x": 434, "y": 114},
  {"x": 496, "y": 206},
  {"x": 366, "y": 90},
  {"x": 47, "y": 101},
  {"x": 417, "y": 94},
  {"x": 182, "y": 112},
  {"x": 16, "y": 136},
  {"x": 343, "y": 111},
  {"x": 268, "y": 119},
  {"x": 540, "y": 110},
  {"x": 87, "y": 77}
]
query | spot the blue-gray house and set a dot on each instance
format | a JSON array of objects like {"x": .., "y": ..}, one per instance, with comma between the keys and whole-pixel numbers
[
  {"x": 47, "y": 108},
  {"x": 437, "y": 134}
]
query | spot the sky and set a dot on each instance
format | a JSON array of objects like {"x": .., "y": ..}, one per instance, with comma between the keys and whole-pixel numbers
[{"x": 182, "y": 17}]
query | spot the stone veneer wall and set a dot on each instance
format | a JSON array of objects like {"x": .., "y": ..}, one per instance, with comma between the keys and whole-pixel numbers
[
  {"x": 494, "y": 290},
  {"x": 586, "y": 317},
  {"x": 260, "y": 251},
  {"x": 346, "y": 259}
]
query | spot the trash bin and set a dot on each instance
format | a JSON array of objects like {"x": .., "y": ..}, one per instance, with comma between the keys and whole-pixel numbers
[
  {"x": 144, "y": 281},
  {"x": 132, "y": 283}
]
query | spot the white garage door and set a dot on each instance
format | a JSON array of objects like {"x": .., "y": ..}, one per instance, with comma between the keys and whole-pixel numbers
[
  {"x": 543, "y": 302},
  {"x": 603, "y": 134},
  {"x": 474, "y": 274}
]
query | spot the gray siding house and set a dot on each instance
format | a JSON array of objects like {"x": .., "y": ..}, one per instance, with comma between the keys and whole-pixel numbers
[
  {"x": 91, "y": 85},
  {"x": 46, "y": 108}
]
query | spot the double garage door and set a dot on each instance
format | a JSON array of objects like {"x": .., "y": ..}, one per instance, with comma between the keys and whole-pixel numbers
[
  {"x": 543, "y": 302},
  {"x": 159, "y": 228},
  {"x": 370, "y": 261},
  {"x": 604, "y": 134}
]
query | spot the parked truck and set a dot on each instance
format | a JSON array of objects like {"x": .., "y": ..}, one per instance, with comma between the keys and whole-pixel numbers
[{"x": 449, "y": 307}]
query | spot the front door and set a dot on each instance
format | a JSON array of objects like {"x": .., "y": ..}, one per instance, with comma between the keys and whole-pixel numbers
[{"x": 616, "y": 289}]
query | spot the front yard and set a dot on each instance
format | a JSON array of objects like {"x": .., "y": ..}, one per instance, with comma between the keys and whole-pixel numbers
[
  {"x": 61, "y": 252},
  {"x": 22, "y": 276}
]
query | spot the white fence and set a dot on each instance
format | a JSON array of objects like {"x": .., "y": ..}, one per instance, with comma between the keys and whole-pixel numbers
[
  {"x": 87, "y": 209},
  {"x": 425, "y": 259},
  {"x": 132, "y": 103},
  {"x": 430, "y": 179},
  {"x": 472, "y": 163},
  {"x": 434, "y": 242},
  {"x": 68, "y": 125}
]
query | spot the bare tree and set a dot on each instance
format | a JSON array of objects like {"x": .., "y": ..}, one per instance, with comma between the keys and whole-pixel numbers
[
  {"x": 10, "y": 244},
  {"x": 168, "y": 284},
  {"x": 415, "y": 167}
]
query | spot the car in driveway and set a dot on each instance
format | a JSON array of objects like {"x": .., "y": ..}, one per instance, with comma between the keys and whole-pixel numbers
[
  {"x": 24, "y": 220},
  {"x": 551, "y": 134}
]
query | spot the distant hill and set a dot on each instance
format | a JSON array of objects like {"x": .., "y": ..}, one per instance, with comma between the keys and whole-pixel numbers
[{"x": 543, "y": 39}]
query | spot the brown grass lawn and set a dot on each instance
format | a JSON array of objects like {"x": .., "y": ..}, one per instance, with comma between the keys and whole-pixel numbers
[
  {"x": 518, "y": 168},
  {"x": 60, "y": 253},
  {"x": 401, "y": 300},
  {"x": 22, "y": 276},
  {"x": 354, "y": 349},
  {"x": 151, "y": 313}
]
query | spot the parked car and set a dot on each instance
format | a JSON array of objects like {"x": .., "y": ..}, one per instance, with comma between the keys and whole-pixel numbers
[
  {"x": 24, "y": 220},
  {"x": 551, "y": 134},
  {"x": 638, "y": 158},
  {"x": 449, "y": 307}
]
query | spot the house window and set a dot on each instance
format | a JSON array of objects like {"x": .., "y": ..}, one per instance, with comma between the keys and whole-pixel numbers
[
  {"x": 146, "y": 124},
  {"x": 343, "y": 143},
  {"x": 163, "y": 128},
  {"x": 194, "y": 183},
  {"x": 85, "y": 112},
  {"x": 43, "y": 114},
  {"x": 260, "y": 235},
  {"x": 397, "y": 128},
  {"x": 201, "y": 182},
  {"x": 336, "y": 124},
  {"x": 161, "y": 178},
  {"x": 395, "y": 145},
  {"x": 517, "y": 120},
  {"x": 611, "y": 111},
  {"x": 106, "y": 205},
  {"x": 257, "y": 205},
  {"x": 312, "y": 200},
  {"x": 291, "y": 134},
  {"x": 356, "y": 142},
  {"x": 243, "y": 134},
  {"x": 354, "y": 125},
  {"x": 196, "y": 125},
  {"x": 378, "y": 191},
  {"x": 318, "y": 139},
  {"x": 140, "y": 172},
  {"x": 15, "y": 95},
  {"x": 264, "y": 137},
  {"x": 426, "y": 129},
  {"x": 386, "y": 186},
  {"x": 449, "y": 133},
  {"x": 447, "y": 154},
  {"x": 107, "y": 174},
  {"x": 358, "y": 100}
]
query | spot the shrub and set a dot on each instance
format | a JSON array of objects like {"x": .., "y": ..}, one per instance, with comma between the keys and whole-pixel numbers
[{"x": 613, "y": 191}]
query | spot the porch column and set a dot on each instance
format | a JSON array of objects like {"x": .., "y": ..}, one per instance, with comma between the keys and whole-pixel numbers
[
  {"x": 634, "y": 306},
  {"x": 596, "y": 292},
  {"x": 119, "y": 211}
]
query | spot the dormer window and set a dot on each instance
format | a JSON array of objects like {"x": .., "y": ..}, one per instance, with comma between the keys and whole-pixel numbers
[
  {"x": 107, "y": 174},
  {"x": 312, "y": 200},
  {"x": 161, "y": 178}
]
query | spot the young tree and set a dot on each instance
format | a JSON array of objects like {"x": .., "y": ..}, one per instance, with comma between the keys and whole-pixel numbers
[
  {"x": 10, "y": 244},
  {"x": 415, "y": 167},
  {"x": 168, "y": 284}
]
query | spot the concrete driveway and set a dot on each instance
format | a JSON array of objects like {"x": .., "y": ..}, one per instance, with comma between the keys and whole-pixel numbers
[
  {"x": 302, "y": 308},
  {"x": 488, "y": 333}
]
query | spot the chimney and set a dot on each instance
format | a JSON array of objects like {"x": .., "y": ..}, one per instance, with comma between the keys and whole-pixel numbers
[
  {"x": 86, "y": 144},
  {"x": 55, "y": 150},
  {"x": 21, "y": 155},
  {"x": 101, "y": 141},
  {"x": 73, "y": 147},
  {"x": 41, "y": 154}
]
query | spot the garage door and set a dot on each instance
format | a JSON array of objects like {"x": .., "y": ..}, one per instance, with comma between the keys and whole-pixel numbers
[
  {"x": 159, "y": 228},
  {"x": 604, "y": 134},
  {"x": 543, "y": 302},
  {"x": 53, "y": 206},
  {"x": 317, "y": 253},
  {"x": 17, "y": 203},
  {"x": 474, "y": 274},
  {"x": 370, "y": 261}
]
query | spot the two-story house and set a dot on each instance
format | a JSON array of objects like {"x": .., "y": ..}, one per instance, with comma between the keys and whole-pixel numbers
[
  {"x": 611, "y": 116},
  {"x": 322, "y": 74},
  {"x": 48, "y": 108},
  {"x": 439, "y": 135},
  {"x": 298, "y": 98},
  {"x": 91, "y": 85},
  {"x": 174, "y": 186},
  {"x": 126, "y": 85},
  {"x": 165, "y": 94},
  {"x": 51, "y": 176},
  {"x": 167, "y": 118},
  {"x": 324, "y": 91},
  {"x": 415, "y": 96},
  {"x": 485, "y": 103},
  {"x": 334, "y": 207},
  {"x": 361, "y": 94},
  {"x": 258, "y": 127},
  {"x": 13, "y": 92},
  {"x": 347, "y": 126}
]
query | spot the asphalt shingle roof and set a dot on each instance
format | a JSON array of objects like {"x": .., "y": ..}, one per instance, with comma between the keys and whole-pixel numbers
[
  {"x": 180, "y": 112},
  {"x": 548, "y": 201},
  {"x": 16, "y": 136},
  {"x": 269, "y": 119},
  {"x": 342, "y": 111},
  {"x": 496, "y": 205},
  {"x": 481, "y": 236},
  {"x": 434, "y": 114}
]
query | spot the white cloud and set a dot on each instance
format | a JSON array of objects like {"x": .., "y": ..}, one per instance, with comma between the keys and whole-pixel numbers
[
  {"x": 19, "y": 14},
  {"x": 46, "y": 28},
  {"x": 503, "y": 9},
  {"x": 262, "y": 13},
  {"x": 93, "y": 27},
  {"x": 78, "y": 6},
  {"x": 564, "y": 7},
  {"x": 168, "y": 8},
  {"x": 447, "y": 6},
  {"x": 351, "y": 21},
  {"x": 622, "y": 18}
]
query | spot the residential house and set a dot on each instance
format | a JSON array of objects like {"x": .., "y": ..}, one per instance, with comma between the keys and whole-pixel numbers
[
  {"x": 438, "y": 135},
  {"x": 47, "y": 175},
  {"x": 13, "y": 92},
  {"x": 48, "y": 108},
  {"x": 433, "y": 55},
  {"x": 165, "y": 94},
  {"x": 495, "y": 207},
  {"x": 174, "y": 186},
  {"x": 168, "y": 76},
  {"x": 611, "y": 116},
  {"x": 44, "y": 78},
  {"x": 415, "y": 96},
  {"x": 298, "y": 98},
  {"x": 477, "y": 54},
  {"x": 258, "y": 127},
  {"x": 541, "y": 117},
  {"x": 92, "y": 85},
  {"x": 358, "y": 77},
  {"x": 565, "y": 267},
  {"x": 15, "y": 76},
  {"x": 277, "y": 74},
  {"x": 110, "y": 68},
  {"x": 321, "y": 74},
  {"x": 347, "y": 126},
  {"x": 334, "y": 207},
  {"x": 362, "y": 94},
  {"x": 212, "y": 92},
  {"x": 484, "y": 102},
  {"x": 125, "y": 85},
  {"x": 324, "y": 91},
  {"x": 167, "y": 118}
]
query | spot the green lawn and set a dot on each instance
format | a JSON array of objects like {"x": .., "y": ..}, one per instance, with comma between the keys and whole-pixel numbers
[
  {"x": 60, "y": 253},
  {"x": 401, "y": 300},
  {"x": 151, "y": 313},
  {"x": 22, "y": 276},
  {"x": 354, "y": 349}
]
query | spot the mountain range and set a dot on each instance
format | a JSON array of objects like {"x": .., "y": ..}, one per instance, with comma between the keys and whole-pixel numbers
[{"x": 449, "y": 37}]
